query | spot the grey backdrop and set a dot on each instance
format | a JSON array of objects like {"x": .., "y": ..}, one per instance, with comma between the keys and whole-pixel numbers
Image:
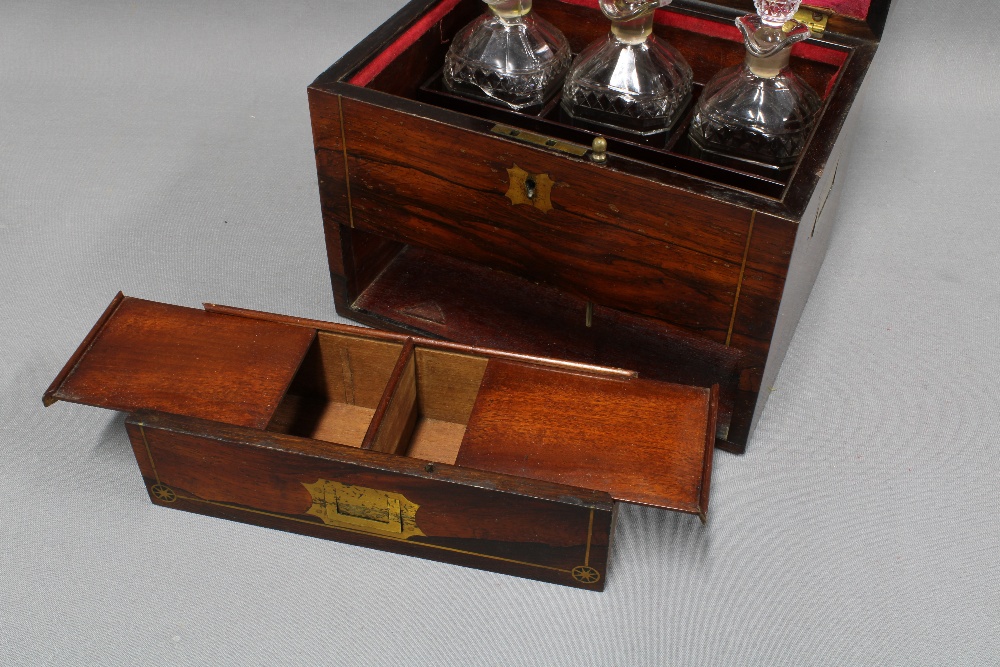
[{"x": 164, "y": 149}]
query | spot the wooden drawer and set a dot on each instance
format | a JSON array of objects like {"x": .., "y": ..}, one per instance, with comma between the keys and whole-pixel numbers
[{"x": 357, "y": 435}]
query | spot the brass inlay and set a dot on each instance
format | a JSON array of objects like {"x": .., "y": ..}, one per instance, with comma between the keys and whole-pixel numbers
[
  {"x": 539, "y": 140},
  {"x": 163, "y": 492},
  {"x": 816, "y": 19},
  {"x": 149, "y": 454},
  {"x": 826, "y": 198},
  {"x": 586, "y": 574},
  {"x": 531, "y": 189},
  {"x": 347, "y": 173},
  {"x": 400, "y": 536},
  {"x": 739, "y": 284},
  {"x": 363, "y": 509}
]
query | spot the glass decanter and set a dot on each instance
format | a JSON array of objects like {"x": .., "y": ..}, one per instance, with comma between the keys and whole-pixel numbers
[
  {"x": 760, "y": 111},
  {"x": 508, "y": 56},
  {"x": 630, "y": 80}
]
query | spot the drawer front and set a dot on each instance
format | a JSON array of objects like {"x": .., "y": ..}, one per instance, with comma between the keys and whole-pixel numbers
[
  {"x": 255, "y": 477},
  {"x": 613, "y": 238}
]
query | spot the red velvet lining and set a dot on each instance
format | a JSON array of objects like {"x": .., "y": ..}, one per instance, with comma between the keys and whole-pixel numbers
[
  {"x": 857, "y": 9},
  {"x": 703, "y": 26},
  {"x": 416, "y": 31}
]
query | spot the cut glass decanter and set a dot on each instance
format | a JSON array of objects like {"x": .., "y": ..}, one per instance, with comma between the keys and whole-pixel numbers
[
  {"x": 630, "y": 80},
  {"x": 759, "y": 111},
  {"x": 509, "y": 56}
]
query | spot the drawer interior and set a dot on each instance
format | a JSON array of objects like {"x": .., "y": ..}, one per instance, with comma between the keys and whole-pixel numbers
[
  {"x": 640, "y": 440},
  {"x": 429, "y": 405},
  {"x": 334, "y": 394}
]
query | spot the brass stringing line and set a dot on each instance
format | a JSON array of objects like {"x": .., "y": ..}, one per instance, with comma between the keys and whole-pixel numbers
[
  {"x": 590, "y": 534},
  {"x": 149, "y": 453},
  {"x": 359, "y": 532},
  {"x": 739, "y": 285},
  {"x": 347, "y": 174},
  {"x": 822, "y": 206}
]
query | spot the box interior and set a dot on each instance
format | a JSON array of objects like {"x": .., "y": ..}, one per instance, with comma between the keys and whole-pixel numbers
[
  {"x": 410, "y": 67},
  {"x": 642, "y": 441},
  {"x": 336, "y": 390},
  {"x": 429, "y": 406}
]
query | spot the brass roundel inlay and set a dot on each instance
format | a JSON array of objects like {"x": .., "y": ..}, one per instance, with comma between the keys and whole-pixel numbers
[
  {"x": 586, "y": 574},
  {"x": 163, "y": 493}
]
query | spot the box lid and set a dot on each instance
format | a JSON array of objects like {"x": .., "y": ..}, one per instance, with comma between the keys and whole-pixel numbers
[
  {"x": 644, "y": 442},
  {"x": 143, "y": 354}
]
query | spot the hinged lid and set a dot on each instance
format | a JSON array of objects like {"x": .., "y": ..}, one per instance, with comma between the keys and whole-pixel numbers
[
  {"x": 143, "y": 354},
  {"x": 643, "y": 442}
]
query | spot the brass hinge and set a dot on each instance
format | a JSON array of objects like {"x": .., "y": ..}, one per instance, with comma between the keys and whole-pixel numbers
[
  {"x": 539, "y": 140},
  {"x": 816, "y": 19}
]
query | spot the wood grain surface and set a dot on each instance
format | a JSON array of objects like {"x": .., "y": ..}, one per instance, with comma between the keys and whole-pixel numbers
[
  {"x": 490, "y": 521},
  {"x": 643, "y": 442},
  {"x": 185, "y": 361}
]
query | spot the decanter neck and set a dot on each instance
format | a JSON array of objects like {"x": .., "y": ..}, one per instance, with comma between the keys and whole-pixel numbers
[
  {"x": 769, "y": 47},
  {"x": 768, "y": 67},
  {"x": 633, "y": 31},
  {"x": 631, "y": 20},
  {"x": 510, "y": 11}
]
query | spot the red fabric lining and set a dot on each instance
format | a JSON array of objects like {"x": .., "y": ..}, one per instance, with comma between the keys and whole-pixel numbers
[
  {"x": 857, "y": 9},
  {"x": 703, "y": 26},
  {"x": 416, "y": 31}
]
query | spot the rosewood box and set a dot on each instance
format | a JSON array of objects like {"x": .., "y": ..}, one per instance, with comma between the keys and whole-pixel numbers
[
  {"x": 489, "y": 459},
  {"x": 452, "y": 219}
]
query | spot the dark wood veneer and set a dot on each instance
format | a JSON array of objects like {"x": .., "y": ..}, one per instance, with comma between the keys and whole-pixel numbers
[
  {"x": 358, "y": 435},
  {"x": 693, "y": 255}
]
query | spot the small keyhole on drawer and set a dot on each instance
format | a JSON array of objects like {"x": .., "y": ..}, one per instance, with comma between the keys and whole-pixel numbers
[{"x": 529, "y": 187}]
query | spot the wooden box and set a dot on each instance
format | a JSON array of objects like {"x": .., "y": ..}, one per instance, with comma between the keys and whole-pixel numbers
[
  {"x": 449, "y": 218},
  {"x": 488, "y": 459}
]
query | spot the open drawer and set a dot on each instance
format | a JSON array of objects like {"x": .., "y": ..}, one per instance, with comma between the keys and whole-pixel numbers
[{"x": 483, "y": 458}]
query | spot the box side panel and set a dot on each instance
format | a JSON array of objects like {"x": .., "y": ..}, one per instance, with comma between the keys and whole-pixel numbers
[
  {"x": 248, "y": 476},
  {"x": 811, "y": 241},
  {"x": 602, "y": 235},
  {"x": 355, "y": 259},
  {"x": 769, "y": 251}
]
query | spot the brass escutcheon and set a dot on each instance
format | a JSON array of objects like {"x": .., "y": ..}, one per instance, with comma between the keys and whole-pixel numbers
[{"x": 532, "y": 189}]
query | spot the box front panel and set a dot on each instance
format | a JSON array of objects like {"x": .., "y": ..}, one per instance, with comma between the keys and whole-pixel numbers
[
  {"x": 257, "y": 483},
  {"x": 615, "y": 239}
]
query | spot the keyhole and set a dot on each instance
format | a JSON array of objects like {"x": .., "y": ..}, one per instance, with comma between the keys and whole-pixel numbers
[{"x": 529, "y": 187}]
